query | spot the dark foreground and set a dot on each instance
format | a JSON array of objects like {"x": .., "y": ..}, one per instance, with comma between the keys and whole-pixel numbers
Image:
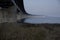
[{"x": 25, "y": 31}]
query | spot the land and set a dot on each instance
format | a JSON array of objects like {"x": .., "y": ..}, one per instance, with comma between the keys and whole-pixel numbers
[{"x": 27, "y": 31}]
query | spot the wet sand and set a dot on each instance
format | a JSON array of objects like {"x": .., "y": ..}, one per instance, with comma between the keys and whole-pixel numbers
[{"x": 26, "y": 31}]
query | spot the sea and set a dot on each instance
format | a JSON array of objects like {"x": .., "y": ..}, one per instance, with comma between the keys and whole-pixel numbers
[{"x": 39, "y": 20}]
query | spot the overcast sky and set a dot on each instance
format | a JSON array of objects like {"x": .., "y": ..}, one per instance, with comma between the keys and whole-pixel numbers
[{"x": 43, "y": 7}]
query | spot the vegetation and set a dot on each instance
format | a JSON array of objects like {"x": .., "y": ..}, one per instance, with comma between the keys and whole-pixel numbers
[{"x": 25, "y": 31}]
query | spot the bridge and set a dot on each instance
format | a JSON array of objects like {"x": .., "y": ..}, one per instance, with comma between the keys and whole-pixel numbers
[{"x": 12, "y": 10}]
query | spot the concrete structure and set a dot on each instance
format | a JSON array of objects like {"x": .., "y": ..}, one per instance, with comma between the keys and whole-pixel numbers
[
  {"x": 9, "y": 12},
  {"x": 8, "y": 15}
]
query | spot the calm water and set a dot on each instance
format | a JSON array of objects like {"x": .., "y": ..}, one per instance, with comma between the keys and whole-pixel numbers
[{"x": 38, "y": 20}]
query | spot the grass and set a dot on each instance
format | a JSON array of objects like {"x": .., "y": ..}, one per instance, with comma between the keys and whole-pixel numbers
[{"x": 25, "y": 31}]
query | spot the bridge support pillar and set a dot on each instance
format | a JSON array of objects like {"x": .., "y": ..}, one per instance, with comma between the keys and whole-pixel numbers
[{"x": 8, "y": 14}]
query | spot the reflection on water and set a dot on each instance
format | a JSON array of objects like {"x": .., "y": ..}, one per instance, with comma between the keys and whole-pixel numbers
[{"x": 38, "y": 20}]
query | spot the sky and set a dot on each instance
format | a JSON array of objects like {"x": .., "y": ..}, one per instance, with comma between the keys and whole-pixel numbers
[{"x": 43, "y": 7}]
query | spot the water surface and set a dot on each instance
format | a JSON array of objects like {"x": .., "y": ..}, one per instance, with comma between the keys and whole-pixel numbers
[{"x": 39, "y": 19}]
